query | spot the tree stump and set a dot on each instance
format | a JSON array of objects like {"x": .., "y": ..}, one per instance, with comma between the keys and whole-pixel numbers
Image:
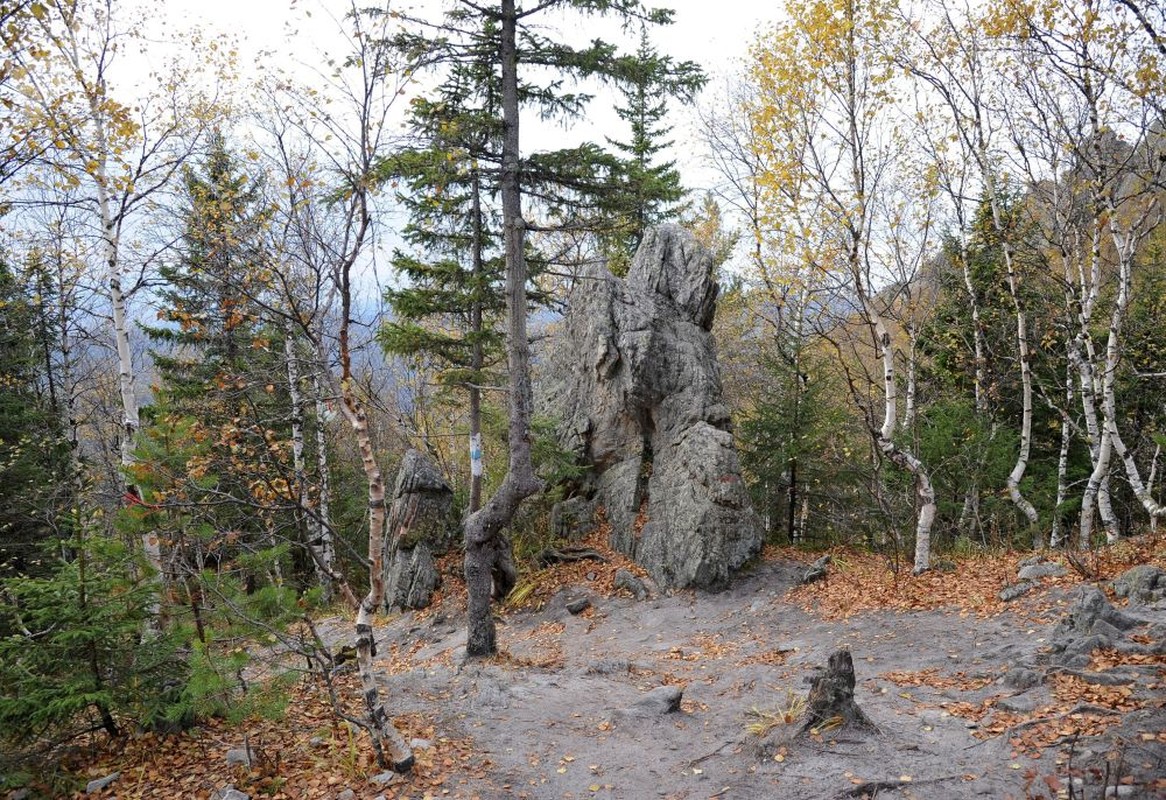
[{"x": 830, "y": 703}]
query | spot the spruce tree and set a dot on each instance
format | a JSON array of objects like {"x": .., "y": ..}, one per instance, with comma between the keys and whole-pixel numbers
[
  {"x": 647, "y": 190},
  {"x": 569, "y": 186},
  {"x": 216, "y": 442}
]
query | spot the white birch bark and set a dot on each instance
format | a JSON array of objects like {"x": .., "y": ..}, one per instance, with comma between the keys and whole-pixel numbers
[
  {"x": 897, "y": 455},
  {"x": 307, "y": 524}
]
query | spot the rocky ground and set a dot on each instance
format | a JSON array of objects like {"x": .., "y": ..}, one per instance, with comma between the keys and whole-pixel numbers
[
  {"x": 966, "y": 705},
  {"x": 1055, "y": 693}
]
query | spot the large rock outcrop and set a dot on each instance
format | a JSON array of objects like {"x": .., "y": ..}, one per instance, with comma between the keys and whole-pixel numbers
[
  {"x": 422, "y": 524},
  {"x": 633, "y": 380}
]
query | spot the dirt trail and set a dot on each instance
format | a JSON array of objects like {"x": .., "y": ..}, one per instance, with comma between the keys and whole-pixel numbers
[{"x": 555, "y": 717}]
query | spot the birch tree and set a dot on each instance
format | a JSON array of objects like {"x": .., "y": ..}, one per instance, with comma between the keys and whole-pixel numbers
[
  {"x": 112, "y": 158},
  {"x": 345, "y": 125},
  {"x": 825, "y": 84},
  {"x": 1082, "y": 72}
]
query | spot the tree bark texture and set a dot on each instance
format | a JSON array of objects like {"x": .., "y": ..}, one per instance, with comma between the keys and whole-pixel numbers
[
  {"x": 830, "y": 703},
  {"x": 484, "y": 543}
]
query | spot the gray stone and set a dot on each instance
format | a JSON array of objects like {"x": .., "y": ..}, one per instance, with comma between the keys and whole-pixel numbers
[
  {"x": 384, "y": 778},
  {"x": 659, "y": 701},
  {"x": 1030, "y": 561},
  {"x": 573, "y": 519},
  {"x": 239, "y": 755},
  {"x": 578, "y": 605},
  {"x": 420, "y": 744},
  {"x": 1021, "y": 678},
  {"x": 632, "y": 378},
  {"x": 1045, "y": 569},
  {"x": 1017, "y": 704},
  {"x": 1010, "y": 593},
  {"x": 229, "y": 793},
  {"x": 97, "y": 784},
  {"x": 1105, "y": 630},
  {"x": 1142, "y": 584},
  {"x": 421, "y": 526},
  {"x": 1090, "y": 606},
  {"x": 625, "y": 580},
  {"x": 347, "y": 794},
  {"x": 1120, "y": 791}
]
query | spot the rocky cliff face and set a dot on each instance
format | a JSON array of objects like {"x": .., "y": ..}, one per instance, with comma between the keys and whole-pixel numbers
[{"x": 633, "y": 380}]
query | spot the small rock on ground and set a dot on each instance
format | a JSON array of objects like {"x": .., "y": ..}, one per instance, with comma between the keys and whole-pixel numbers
[
  {"x": 384, "y": 778},
  {"x": 98, "y": 784},
  {"x": 579, "y": 605},
  {"x": 229, "y": 793},
  {"x": 661, "y": 700},
  {"x": 239, "y": 755}
]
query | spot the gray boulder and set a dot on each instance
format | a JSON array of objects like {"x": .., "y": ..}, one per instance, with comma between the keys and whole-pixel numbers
[
  {"x": 421, "y": 526},
  {"x": 1046, "y": 569},
  {"x": 1090, "y": 607},
  {"x": 1090, "y": 623},
  {"x": 655, "y": 703},
  {"x": 1142, "y": 584},
  {"x": 632, "y": 378}
]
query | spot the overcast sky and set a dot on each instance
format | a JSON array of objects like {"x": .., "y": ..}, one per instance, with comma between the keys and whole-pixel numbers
[{"x": 714, "y": 34}]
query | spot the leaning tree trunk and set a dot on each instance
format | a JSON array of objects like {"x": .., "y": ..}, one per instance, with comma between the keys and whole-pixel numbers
[
  {"x": 486, "y": 548},
  {"x": 898, "y": 456},
  {"x": 386, "y": 738}
]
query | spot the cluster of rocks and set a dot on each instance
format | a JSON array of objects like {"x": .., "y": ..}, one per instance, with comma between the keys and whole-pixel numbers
[
  {"x": 1028, "y": 575},
  {"x": 1092, "y": 623},
  {"x": 633, "y": 381}
]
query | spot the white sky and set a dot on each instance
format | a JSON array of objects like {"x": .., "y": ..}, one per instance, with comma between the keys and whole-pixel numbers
[{"x": 711, "y": 33}]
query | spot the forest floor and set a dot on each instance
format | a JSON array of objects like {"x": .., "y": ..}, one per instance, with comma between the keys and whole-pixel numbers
[{"x": 555, "y": 715}]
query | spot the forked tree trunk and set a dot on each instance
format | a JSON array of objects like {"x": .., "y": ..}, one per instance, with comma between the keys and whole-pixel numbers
[
  {"x": 485, "y": 546},
  {"x": 897, "y": 455}
]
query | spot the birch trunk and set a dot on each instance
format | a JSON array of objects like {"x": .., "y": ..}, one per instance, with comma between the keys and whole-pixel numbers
[
  {"x": 110, "y": 241},
  {"x": 325, "y": 548},
  {"x": 898, "y": 456},
  {"x": 1126, "y": 248},
  {"x": 1018, "y": 470},
  {"x": 484, "y": 543},
  {"x": 1056, "y": 535},
  {"x": 310, "y": 529}
]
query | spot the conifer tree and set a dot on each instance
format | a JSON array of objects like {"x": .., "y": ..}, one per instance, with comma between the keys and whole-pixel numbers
[
  {"x": 220, "y": 375},
  {"x": 506, "y": 41},
  {"x": 647, "y": 190},
  {"x": 33, "y": 449}
]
